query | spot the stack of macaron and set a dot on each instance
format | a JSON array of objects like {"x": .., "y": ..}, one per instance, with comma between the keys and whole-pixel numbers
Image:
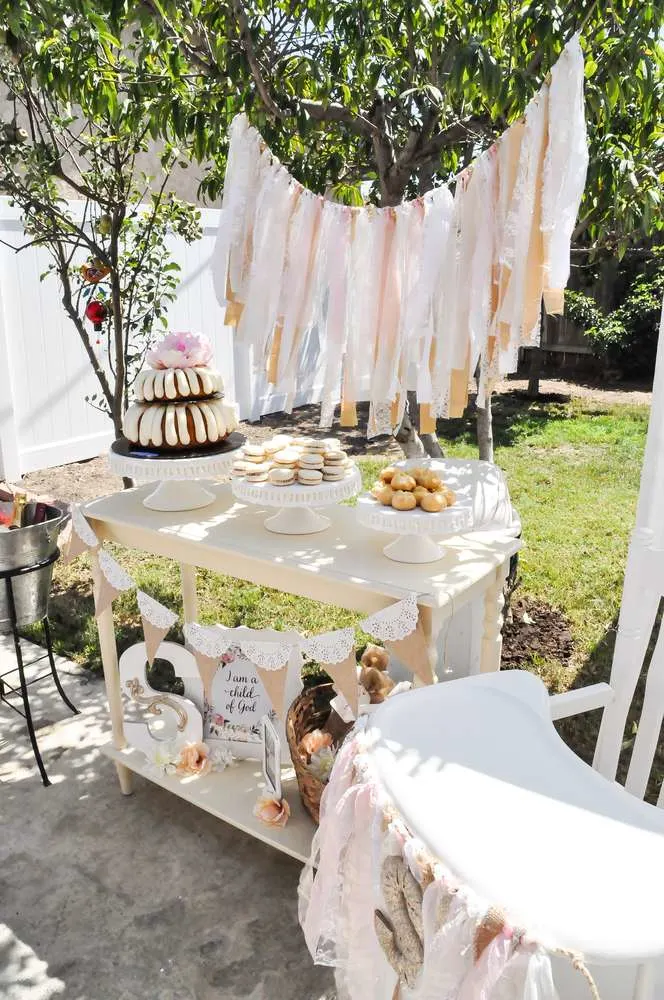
[{"x": 286, "y": 460}]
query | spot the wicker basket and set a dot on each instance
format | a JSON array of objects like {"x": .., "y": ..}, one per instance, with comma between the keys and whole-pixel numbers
[{"x": 309, "y": 711}]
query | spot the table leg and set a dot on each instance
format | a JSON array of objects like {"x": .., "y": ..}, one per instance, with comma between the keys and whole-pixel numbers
[
  {"x": 189, "y": 595},
  {"x": 431, "y": 620},
  {"x": 109, "y": 659},
  {"x": 492, "y": 637}
]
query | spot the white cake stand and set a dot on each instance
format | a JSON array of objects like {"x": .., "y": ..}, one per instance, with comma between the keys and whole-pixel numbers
[
  {"x": 296, "y": 515},
  {"x": 181, "y": 480},
  {"x": 418, "y": 532}
]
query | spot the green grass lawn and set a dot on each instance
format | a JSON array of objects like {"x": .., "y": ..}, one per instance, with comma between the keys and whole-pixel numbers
[{"x": 573, "y": 471}]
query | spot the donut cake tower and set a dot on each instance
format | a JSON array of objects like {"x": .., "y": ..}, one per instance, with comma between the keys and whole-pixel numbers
[{"x": 179, "y": 401}]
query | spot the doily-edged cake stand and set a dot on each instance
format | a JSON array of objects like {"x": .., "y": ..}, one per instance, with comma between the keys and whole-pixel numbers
[
  {"x": 182, "y": 479},
  {"x": 419, "y": 532},
  {"x": 296, "y": 503}
]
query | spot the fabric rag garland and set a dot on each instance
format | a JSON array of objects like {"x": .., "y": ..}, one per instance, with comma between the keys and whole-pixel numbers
[
  {"x": 418, "y": 296},
  {"x": 389, "y": 917}
]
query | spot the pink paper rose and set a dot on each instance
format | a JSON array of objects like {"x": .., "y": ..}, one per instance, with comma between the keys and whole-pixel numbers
[
  {"x": 272, "y": 812},
  {"x": 181, "y": 350},
  {"x": 194, "y": 759},
  {"x": 314, "y": 741}
]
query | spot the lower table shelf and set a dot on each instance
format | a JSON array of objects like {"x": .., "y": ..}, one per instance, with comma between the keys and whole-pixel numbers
[{"x": 230, "y": 795}]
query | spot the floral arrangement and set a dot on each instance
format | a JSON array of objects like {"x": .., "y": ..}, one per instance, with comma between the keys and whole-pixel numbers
[
  {"x": 193, "y": 760},
  {"x": 181, "y": 350}
]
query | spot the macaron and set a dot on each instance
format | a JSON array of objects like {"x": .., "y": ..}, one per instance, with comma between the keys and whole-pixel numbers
[
  {"x": 287, "y": 457},
  {"x": 335, "y": 456},
  {"x": 257, "y": 473},
  {"x": 333, "y": 473},
  {"x": 309, "y": 477},
  {"x": 331, "y": 444},
  {"x": 240, "y": 468},
  {"x": 277, "y": 443},
  {"x": 314, "y": 448},
  {"x": 281, "y": 476},
  {"x": 253, "y": 453},
  {"x": 310, "y": 460}
]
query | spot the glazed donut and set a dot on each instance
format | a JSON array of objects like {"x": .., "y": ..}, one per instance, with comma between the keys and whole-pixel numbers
[
  {"x": 433, "y": 502},
  {"x": 402, "y": 481}
]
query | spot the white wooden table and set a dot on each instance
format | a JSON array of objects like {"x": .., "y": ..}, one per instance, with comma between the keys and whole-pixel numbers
[{"x": 343, "y": 565}]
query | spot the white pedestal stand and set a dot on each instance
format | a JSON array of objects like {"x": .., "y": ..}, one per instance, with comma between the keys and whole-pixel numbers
[
  {"x": 296, "y": 515},
  {"x": 481, "y": 499},
  {"x": 181, "y": 481}
]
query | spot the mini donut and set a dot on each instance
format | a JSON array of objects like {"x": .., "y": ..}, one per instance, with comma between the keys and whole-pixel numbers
[
  {"x": 419, "y": 492},
  {"x": 419, "y": 473},
  {"x": 433, "y": 502},
  {"x": 450, "y": 496},
  {"x": 402, "y": 481},
  {"x": 383, "y": 493},
  {"x": 387, "y": 473},
  {"x": 403, "y": 500}
]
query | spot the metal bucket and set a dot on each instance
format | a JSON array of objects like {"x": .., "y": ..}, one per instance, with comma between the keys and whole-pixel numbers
[{"x": 25, "y": 547}]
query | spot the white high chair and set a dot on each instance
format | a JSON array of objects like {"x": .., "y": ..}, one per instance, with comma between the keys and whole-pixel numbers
[{"x": 479, "y": 773}]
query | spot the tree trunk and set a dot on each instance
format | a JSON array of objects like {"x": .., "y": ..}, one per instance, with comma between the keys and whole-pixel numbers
[
  {"x": 535, "y": 359},
  {"x": 485, "y": 431},
  {"x": 534, "y": 371}
]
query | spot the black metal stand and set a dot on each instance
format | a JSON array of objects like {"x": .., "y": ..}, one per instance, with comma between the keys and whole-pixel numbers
[{"x": 7, "y": 575}]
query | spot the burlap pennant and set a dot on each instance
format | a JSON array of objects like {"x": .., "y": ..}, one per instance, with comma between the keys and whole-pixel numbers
[
  {"x": 153, "y": 636},
  {"x": 77, "y": 537},
  {"x": 344, "y": 679},
  {"x": 104, "y": 594},
  {"x": 207, "y": 668},
  {"x": 274, "y": 682},
  {"x": 413, "y": 651},
  {"x": 157, "y": 620},
  {"x": 111, "y": 580}
]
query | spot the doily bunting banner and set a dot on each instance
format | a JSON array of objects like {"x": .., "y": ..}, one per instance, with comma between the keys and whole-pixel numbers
[
  {"x": 110, "y": 581},
  {"x": 157, "y": 621},
  {"x": 344, "y": 680},
  {"x": 77, "y": 537},
  {"x": 400, "y": 629}
]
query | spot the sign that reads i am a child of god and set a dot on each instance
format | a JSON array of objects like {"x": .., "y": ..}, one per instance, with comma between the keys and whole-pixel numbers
[{"x": 238, "y": 704}]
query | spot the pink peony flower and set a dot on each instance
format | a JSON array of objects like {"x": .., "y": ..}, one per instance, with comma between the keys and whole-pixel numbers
[
  {"x": 314, "y": 741},
  {"x": 272, "y": 812},
  {"x": 194, "y": 759},
  {"x": 181, "y": 350},
  {"x": 218, "y": 720}
]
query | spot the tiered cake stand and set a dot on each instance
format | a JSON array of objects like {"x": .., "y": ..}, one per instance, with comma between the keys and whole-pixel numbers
[
  {"x": 418, "y": 532},
  {"x": 296, "y": 515},
  {"x": 181, "y": 480}
]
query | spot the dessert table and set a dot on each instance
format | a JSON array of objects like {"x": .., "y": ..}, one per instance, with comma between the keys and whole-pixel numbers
[{"x": 343, "y": 565}]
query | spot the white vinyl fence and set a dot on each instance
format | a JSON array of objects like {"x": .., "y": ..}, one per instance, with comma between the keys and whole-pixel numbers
[{"x": 45, "y": 374}]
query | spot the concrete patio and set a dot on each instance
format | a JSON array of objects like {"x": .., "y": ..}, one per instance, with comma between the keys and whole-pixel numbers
[{"x": 110, "y": 898}]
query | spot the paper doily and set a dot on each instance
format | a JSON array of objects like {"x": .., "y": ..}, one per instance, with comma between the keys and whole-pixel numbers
[
  {"x": 118, "y": 578},
  {"x": 207, "y": 639},
  {"x": 329, "y": 647},
  {"x": 156, "y": 613},
  {"x": 82, "y": 528},
  {"x": 395, "y": 622},
  {"x": 266, "y": 655}
]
